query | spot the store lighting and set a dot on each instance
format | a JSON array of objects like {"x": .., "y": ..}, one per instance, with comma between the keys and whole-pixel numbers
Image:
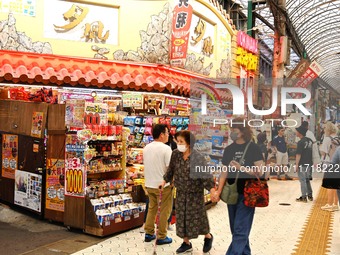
[{"x": 93, "y": 93}]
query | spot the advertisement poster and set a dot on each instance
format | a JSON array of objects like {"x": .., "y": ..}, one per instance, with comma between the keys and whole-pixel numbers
[
  {"x": 74, "y": 21},
  {"x": 27, "y": 192},
  {"x": 9, "y": 155},
  {"x": 133, "y": 100},
  {"x": 55, "y": 182},
  {"x": 74, "y": 116},
  {"x": 176, "y": 104},
  {"x": 75, "y": 178},
  {"x": 96, "y": 113},
  {"x": 24, "y": 7},
  {"x": 75, "y": 174},
  {"x": 37, "y": 120},
  {"x": 181, "y": 22}
]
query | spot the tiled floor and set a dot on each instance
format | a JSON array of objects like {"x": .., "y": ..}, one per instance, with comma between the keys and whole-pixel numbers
[{"x": 275, "y": 229}]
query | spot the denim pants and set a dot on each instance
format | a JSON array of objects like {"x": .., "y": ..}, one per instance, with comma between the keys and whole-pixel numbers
[
  {"x": 306, "y": 188},
  {"x": 240, "y": 220}
]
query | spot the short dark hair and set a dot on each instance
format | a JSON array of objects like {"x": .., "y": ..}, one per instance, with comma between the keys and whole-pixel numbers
[
  {"x": 189, "y": 137},
  {"x": 261, "y": 137},
  {"x": 247, "y": 134},
  {"x": 304, "y": 124},
  {"x": 158, "y": 129}
]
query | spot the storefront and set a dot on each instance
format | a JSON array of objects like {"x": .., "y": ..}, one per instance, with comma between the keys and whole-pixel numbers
[{"x": 48, "y": 164}]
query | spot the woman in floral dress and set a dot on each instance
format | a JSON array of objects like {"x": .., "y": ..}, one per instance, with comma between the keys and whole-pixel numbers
[{"x": 191, "y": 216}]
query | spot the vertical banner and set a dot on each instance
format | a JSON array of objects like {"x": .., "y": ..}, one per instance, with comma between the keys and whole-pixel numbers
[
  {"x": 37, "y": 120},
  {"x": 55, "y": 190},
  {"x": 9, "y": 155},
  {"x": 298, "y": 71},
  {"x": 27, "y": 190},
  {"x": 75, "y": 174},
  {"x": 310, "y": 75},
  {"x": 181, "y": 22}
]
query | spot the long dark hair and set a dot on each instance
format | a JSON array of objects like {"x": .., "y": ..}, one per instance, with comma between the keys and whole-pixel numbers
[{"x": 247, "y": 134}]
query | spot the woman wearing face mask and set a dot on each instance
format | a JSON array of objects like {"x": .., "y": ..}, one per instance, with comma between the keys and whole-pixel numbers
[
  {"x": 240, "y": 216},
  {"x": 191, "y": 217}
]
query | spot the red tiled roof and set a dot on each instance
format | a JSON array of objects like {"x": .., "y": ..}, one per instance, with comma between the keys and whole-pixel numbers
[{"x": 29, "y": 68}]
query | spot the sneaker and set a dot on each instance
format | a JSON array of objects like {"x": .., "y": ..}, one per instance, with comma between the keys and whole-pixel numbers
[
  {"x": 327, "y": 207},
  {"x": 149, "y": 238},
  {"x": 335, "y": 207},
  {"x": 141, "y": 230},
  {"x": 184, "y": 248},
  {"x": 288, "y": 178},
  {"x": 208, "y": 244},
  {"x": 301, "y": 199},
  {"x": 166, "y": 240},
  {"x": 310, "y": 198}
]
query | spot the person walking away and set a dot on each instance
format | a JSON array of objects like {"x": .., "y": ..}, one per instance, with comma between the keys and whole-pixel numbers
[
  {"x": 240, "y": 216},
  {"x": 156, "y": 157},
  {"x": 330, "y": 133},
  {"x": 315, "y": 149},
  {"x": 191, "y": 216},
  {"x": 280, "y": 148},
  {"x": 304, "y": 162}
]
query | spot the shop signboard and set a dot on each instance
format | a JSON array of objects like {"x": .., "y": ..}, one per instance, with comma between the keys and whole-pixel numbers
[
  {"x": 181, "y": 22},
  {"x": 37, "y": 120},
  {"x": 74, "y": 113},
  {"x": 176, "y": 104},
  {"x": 22, "y": 7},
  {"x": 298, "y": 71},
  {"x": 55, "y": 190},
  {"x": 9, "y": 155},
  {"x": 134, "y": 100},
  {"x": 27, "y": 190},
  {"x": 75, "y": 21}
]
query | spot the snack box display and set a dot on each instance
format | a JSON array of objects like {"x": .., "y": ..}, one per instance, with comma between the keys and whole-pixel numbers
[
  {"x": 97, "y": 204},
  {"x": 217, "y": 140},
  {"x": 117, "y": 200},
  {"x": 104, "y": 215}
]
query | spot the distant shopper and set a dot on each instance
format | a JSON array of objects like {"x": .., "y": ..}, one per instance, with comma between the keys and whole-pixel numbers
[
  {"x": 316, "y": 155},
  {"x": 240, "y": 216},
  {"x": 191, "y": 216},
  {"x": 280, "y": 148},
  {"x": 304, "y": 162},
  {"x": 156, "y": 156},
  {"x": 261, "y": 142},
  {"x": 330, "y": 133}
]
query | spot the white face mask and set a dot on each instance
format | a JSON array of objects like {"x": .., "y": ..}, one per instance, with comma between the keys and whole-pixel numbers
[{"x": 182, "y": 147}]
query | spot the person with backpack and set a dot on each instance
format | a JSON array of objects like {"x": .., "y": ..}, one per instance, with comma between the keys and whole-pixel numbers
[{"x": 327, "y": 149}]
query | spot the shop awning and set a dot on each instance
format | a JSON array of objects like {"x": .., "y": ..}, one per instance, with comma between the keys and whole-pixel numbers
[{"x": 46, "y": 69}]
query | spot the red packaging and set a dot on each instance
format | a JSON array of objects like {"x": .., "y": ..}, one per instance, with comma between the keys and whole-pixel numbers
[{"x": 104, "y": 130}]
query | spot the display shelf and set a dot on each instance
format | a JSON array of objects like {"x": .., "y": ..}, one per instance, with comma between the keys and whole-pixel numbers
[
  {"x": 103, "y": 175},
  {"x": 109, "y": 227}
]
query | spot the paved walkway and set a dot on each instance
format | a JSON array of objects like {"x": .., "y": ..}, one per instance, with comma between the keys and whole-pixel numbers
[{"x": 275, "y": 230}]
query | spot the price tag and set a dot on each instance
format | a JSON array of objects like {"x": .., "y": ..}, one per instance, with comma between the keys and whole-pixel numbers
[
  {"x": 126, "y": 218},
  {"x": 117, "y": 220},
  {"x": 136, "y": 215},
  {"x": 107, "y": 223}
]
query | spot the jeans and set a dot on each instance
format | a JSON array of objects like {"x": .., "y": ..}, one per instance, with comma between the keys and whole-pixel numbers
[
  {"x": 240, "y": 220},
  {"x": 306, "y": 188}
]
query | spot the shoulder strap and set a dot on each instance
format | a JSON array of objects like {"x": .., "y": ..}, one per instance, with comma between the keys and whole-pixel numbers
[{"x": 243, "y": 155}]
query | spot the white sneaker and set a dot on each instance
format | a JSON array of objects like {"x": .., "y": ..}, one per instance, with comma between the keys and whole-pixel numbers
[
  {"x": 335, "y": 207},
  {"x": 141, "y": 229},
  {"x": 327, "y": 207}
]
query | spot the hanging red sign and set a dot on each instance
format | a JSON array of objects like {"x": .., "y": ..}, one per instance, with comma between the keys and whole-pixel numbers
[{"x": 181, "y": 22}]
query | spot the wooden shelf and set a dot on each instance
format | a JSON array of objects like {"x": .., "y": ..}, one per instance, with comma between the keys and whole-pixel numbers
[{"x": 104, "y": 175}]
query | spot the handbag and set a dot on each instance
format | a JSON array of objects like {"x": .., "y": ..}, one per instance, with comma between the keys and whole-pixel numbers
[
  {"x": 229, "y": 193},
  {"x": 256, "y": 193}
]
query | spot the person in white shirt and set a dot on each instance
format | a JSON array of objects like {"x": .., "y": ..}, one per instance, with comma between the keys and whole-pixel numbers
[{"x": 156, "y": 159}]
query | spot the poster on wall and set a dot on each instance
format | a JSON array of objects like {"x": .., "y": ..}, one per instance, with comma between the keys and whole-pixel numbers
[
  {"x": 9, "y": 155},
  {"x": 23, "y": 7},
  {"x": 74, "y": 113},
  {"x": 133, "y": 100},
  {"x": 176, "y": 104},
  {"x": 181, "y": 22},
  {"x": 27, "y": 190},
  {"x": 37, "y": 120},
  {"x": 55, "y": 190},
  {"x": 74, "y": 21}
]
